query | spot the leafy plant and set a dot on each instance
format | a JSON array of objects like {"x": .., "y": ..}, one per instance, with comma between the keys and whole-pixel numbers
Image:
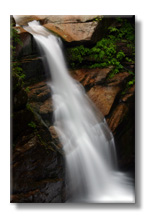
[
  {"x": 106, "y": 52},
  {"x": 15, "y": 65},
  {"x": 32, "y": 125},
  {"x": 27, "y": 89}
]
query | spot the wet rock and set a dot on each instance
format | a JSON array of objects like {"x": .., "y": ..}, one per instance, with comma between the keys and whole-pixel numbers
[
  {"x": 74, "y": 31},
  {"x": 55, "y": 136},
  {"x": 41, "y": 101},
  {"x": 21, "y": 118},
  {"x": 103, "y": 97},
  {"x": 32, "y": 68},
  {"x": 37, "y": 166},
  {"x": 90, "y": 77},
  {"x": 117, "y": 116},
  {"x": 129, "y": 94},
  {"x": 118, "y": 79},
  {"x": 12, "y": 20},
  {"x": 39, "y": 91},
  {"x": 47, "y": 107},
  {"x": 67, "y": 18},
  {"x": 77, "y": 28},
  {"x": 37, "y": 173},
  {"x": 24, "y": 19},
  {"x": 27, "y": 45},
  {"x": 125, "y": 138},
  {"x": 46, "y": 111},
  {"x": 20, "y": 100},
  {"x": 16, "y": 83}
]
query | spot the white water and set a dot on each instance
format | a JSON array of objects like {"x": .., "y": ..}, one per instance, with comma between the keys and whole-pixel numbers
[{"x": 87, "y": 141}]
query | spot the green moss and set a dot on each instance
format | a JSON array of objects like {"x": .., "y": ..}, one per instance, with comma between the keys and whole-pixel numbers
[
  {"x": 32, "y": 125},
  {"x": 15, "y": 65},
  {"x": 98, "y": 19},
  {"x": 106, "y": 52}
]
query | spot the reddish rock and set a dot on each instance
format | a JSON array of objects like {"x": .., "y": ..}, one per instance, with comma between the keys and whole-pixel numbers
[
  {"x": 24, "y": 19},
  {"x": 55, "y": 137},
  {"x": 71, "y": 28},
  {"x": 46, "y": 107},
  {"x": 117, "y": 116},
  {"x": 118, "y": 78},
  {"x": 39, "y": 92},
  {"x": 129, "y": 94},
  {"x": 74, "y": 31},
  {"x": 89, "y": 77},
  {"x": 103, "y": 97},
  {"x": 67, "y": 18}
]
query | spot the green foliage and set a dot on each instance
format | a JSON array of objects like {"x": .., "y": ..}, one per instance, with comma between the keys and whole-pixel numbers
[
  {"x": 97, "y": 19},
  {"x": 32, "y": 125},
  {"x": 131, "y": 82},
  {"x": 106, "y": 53},
  {"x": 77, "y": 54},
  {"x": 14, "y": 36},
  {"x": 120, "y": 55},
  {"x": 113, "y": 29},
  {"x": 15, "y": 65},
  {"x": 28, "y": 106},
  {"x": 27, "y": 89}
]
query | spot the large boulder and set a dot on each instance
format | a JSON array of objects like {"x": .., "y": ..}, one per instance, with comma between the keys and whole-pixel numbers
[
  {"x": 103, "y": 97},
  {"x": 25, "y": 19},
  {"x": 72, "y": 29},
  {"x": 74, "y": 32}
]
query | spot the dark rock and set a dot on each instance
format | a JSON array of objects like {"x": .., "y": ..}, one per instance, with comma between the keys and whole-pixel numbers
[
  {"x": 20, "y": 121},
  {"x": 12, "y": 21},
  {"x": 125, "y": 138},
  {"x": 32, "y": 68},
  {"x": 27, "y": 46},
  {"x": 117, "y": 116},
  {"x": 20, "y": 100},
  {"x": 41, "y": 102},
  {"x": 16, "y": 83},
  {"x": 55, "y": 136},
  {"x": 37, "y": 173}
]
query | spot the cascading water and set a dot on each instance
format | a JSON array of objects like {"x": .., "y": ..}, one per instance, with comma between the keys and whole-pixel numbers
[{"x": 88, "y": 144}]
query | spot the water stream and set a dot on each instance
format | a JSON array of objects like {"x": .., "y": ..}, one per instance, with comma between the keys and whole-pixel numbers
[{"x": 88, "y": 144}]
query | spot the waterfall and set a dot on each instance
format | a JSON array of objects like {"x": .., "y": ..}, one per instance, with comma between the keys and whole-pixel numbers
[{"x": 88, "y": 144}]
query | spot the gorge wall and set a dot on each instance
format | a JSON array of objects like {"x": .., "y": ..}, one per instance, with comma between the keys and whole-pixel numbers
[{"x": 38, "y": 169}]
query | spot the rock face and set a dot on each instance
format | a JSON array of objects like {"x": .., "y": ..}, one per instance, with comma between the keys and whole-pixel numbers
[
  {"x": 118, "y": 108},
  {"x": 24, "y": 19},
  {"x": 37, "y": 166},
  {"x": 105, "y": 93},
  {"x": 37, "y": 173},
  {"x": 74, "y": 29}
]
